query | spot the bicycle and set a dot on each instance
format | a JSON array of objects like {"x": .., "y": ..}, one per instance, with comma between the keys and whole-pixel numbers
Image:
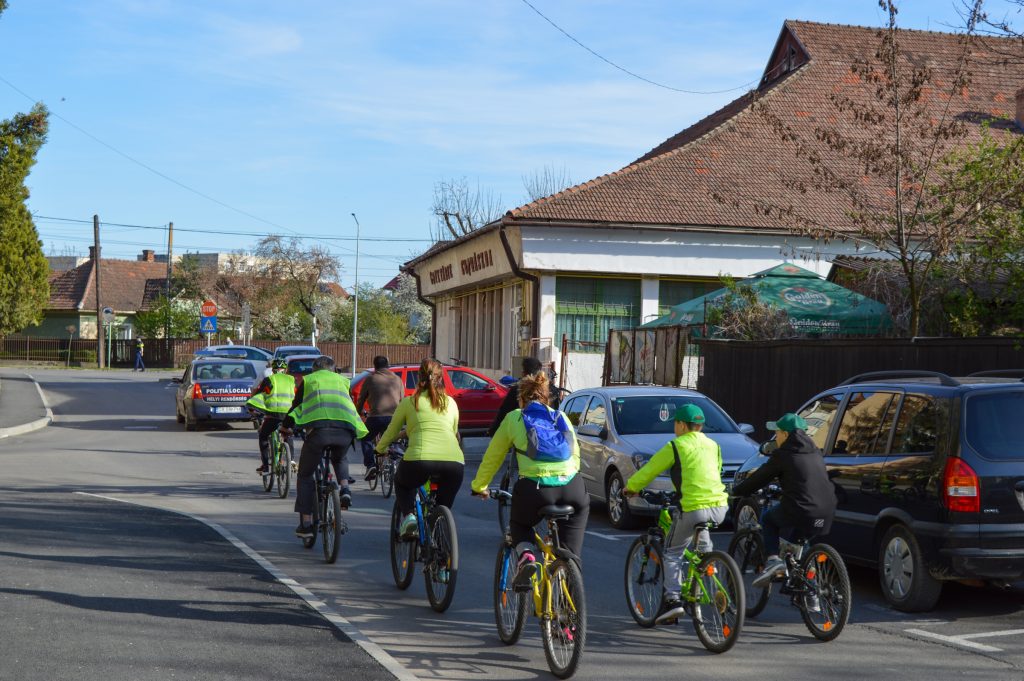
[
  {"x": 557, "y": 589},
  {"x": 327, "y": 518},
  {"x": 436, "y": 545},
  {"x": 387, "y": 465},
  {"x": 712, "y": 589},
  {"x": 282, "y": 451},
  {"x": 815, "y": 580},
  {"x": 508, "y": 480}
]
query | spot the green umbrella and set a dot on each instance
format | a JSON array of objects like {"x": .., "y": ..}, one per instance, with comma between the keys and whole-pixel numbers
[{"x": 815, "y": 306}]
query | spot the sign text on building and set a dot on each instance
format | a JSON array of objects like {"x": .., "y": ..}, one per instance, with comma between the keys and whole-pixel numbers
[
  {"x": 476, "y": 262},
  {"x": 441, "y": 274}
]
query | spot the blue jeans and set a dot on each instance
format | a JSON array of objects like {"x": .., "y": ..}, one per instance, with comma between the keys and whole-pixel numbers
[
  {"x": 138, "y": 361},
  {"x": 375, "y": 425}
]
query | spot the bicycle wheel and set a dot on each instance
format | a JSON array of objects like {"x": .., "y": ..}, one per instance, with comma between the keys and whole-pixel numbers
[
  {"x": 387, "y": 475},
  {"x": 508, "y": 481},
  {"x": 747, "y": 550},
  {"x": 564, "y": 634},
  {"x": 442, "y": 564},
  {"x": 719, "y": 602},
  {"x": 283, "y": 467},
  {"x": 373, "y": 483},
  {"x": 403, "y": 553},
  {"x": 644, "y": 580},
  {"x": 824, "y": 574},
  {"x": 509, "y": 606},
  {"x": 330, "y": 526},
  {"x": 268, "y": 477}
]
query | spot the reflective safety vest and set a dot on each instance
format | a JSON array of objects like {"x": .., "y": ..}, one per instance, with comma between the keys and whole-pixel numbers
[
  {"x": 257, "y": 401},
  {"x": 282, "y": 393},
  {"x": 325, "y": 398}
]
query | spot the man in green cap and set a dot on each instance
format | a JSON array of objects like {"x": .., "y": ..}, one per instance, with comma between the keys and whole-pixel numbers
[
  {"x": 695, "y": 461},
  {"x": 808, "y": 497}
]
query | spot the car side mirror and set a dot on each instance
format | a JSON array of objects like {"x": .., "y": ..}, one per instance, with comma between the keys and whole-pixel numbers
[
  {"x": 746, "y": 428},
  {"x": 768, "y": 447},
  {"x": 491, "y": 387},
  {"x": 176, "y": 379},
  {"x": 593, "y": 430}
]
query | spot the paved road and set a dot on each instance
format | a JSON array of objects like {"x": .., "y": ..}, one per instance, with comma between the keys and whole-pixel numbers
[{"x": 115, "y": 435}]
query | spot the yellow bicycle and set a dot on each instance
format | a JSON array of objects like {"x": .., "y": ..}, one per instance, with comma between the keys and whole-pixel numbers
[{"x": 557, "y": 590}]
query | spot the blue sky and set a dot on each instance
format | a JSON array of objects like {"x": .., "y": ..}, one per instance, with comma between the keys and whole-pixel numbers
[{"x": 290, "y": 116}]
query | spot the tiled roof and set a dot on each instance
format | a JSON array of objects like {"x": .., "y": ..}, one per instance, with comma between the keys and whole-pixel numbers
[
  {"x": 334, "y": 289},
  {"x": 735, "y": 153},
  {"x": 125, "y": 285}
]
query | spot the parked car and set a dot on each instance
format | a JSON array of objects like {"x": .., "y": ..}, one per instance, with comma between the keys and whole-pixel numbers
[
  {"x": 620, "y": 429},
  {"x": 929, "y": 475},
  {"x": 286, "y": 351},
  {"x": 477, "y": 396},
  {"x": 258, "y": 355},
  {"x": 301, "y": 365},
  {"x": 215, "y": 389}
]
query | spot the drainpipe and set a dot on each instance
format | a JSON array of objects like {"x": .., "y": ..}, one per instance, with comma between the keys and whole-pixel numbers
[
  {"x": 433, "y": 310},
  {"x": 535, "y": 315}
]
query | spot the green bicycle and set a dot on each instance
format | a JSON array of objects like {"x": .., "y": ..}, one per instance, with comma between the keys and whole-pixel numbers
[
  {"x": 282, "y": 451},
  {"x": 712, "y": 590},
  {"x": 557, "y": 589}
]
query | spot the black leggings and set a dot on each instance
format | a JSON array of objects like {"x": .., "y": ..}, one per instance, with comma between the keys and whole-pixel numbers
[
  {"x": 528, "y": 497},
  {"x": 339, "y": 440},
  {"x": 412, "y": 474}
]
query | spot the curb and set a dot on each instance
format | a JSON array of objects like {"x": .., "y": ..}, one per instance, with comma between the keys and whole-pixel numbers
[{"x": 31, "y": 426}]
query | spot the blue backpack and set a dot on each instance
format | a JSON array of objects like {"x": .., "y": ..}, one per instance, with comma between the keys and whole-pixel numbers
[{"x": 545, "y": 434}]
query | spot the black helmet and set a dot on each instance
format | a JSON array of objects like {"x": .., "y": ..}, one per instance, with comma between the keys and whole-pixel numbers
[{"x": 280, "y": 363}]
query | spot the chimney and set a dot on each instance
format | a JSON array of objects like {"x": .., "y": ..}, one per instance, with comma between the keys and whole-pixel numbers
[
  {"x": 92, "y": 252},
  {"x": 1020, "y": 108},
  {"x": 148, "y": 255}
]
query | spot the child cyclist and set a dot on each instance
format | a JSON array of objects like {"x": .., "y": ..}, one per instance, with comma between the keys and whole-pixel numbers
[{"x": 695, "y": 461}]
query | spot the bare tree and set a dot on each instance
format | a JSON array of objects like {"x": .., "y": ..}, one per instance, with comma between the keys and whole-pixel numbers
[
  {"x": 461, "y": 208},
  {"x": 297, "y": 270},
  {"x": 547, "y": 181}
]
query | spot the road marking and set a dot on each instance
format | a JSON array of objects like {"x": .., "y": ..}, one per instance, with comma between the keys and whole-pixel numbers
[
  {"x": 962, "y": 639},
  {"x": 611, "y": 537},
  {"x": 339, "y": 622}
]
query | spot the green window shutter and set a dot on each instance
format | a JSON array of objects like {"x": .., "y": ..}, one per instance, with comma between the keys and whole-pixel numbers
[{"x": 586, "y": 308}]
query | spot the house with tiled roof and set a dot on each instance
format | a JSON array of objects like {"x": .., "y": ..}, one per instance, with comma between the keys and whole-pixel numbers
[
  {"x": 127, "y": 286},
  {"x": 620, "y": 249}
]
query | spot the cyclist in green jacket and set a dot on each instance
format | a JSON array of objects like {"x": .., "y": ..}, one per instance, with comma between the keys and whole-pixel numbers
[
  {"x": 695, "y": 461},
  {"x": 324, "y": 407},
  {"x": 274, "y": 397},
  {"x": 543, "y": 480}
]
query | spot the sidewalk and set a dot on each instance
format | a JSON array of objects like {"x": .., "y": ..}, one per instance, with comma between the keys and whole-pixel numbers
[{"x": 22, "y": 408}]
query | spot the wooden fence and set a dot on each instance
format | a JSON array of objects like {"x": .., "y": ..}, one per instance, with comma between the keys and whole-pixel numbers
[{"x": 758, "y": 381}]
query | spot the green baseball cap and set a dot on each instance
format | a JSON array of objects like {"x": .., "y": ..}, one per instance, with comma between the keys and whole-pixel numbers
[
  {"x": 690, "y": 413},
  {"x": 787, "y": 422}
]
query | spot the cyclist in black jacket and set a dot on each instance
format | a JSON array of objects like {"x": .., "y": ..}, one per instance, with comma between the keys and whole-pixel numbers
[
  {"x": 531, "y": 365},
  {"x": 808, "y": 500}
]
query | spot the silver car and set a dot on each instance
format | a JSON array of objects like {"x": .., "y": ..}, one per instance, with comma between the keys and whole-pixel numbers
[{"x": 620, "y": 429}]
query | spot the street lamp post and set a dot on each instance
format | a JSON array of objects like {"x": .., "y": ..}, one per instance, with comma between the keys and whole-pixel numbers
[{"x": 355, "y": 294}]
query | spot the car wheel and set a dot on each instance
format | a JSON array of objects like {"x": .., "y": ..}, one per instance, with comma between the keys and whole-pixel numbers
[
  {"x": 903, "y": 575},
  {"x": 747, "y": 514},
  {"x": 619, "y": 514}
]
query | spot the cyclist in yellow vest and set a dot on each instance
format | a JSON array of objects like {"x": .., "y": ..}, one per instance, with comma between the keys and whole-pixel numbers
[
  {"x": 324, "y": 408},
  {"x": 274, "y": 398}
]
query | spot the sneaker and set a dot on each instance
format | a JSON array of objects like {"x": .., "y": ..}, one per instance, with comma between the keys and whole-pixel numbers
[
  {"x": 264, "y": 469},
  {"x": 671, "y": 609},
  {"x": 408, "y": 529},
  {"x": 305, "y": 531},
  {"x": 523, "y": 581},
  {"x": 811, "y": 603},
  {"x": 371, "y": 474},
  {"x": 773, "y": 569},
  {"x": 351, "y": 480},
  {"x": 346, "y": 498}
]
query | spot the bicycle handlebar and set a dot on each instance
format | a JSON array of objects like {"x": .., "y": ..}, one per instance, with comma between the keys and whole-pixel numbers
[{"x": 664, "y": 499}]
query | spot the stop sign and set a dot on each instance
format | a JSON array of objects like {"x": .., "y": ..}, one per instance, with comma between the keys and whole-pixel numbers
[{"x": 209, "y": 308}]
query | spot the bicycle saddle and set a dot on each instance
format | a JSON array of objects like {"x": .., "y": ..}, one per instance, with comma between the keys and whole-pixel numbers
[{"x": 556, "y": 510}]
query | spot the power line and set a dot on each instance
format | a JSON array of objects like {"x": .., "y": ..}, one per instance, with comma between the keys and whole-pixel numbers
[{"x": 627, "y": 71}]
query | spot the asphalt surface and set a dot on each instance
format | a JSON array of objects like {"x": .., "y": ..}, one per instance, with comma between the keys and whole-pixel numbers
[{"x": 20, "y": 402}]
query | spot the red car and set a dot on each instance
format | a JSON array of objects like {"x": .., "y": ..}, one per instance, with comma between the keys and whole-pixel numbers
[{"x": 477, "y": 396}]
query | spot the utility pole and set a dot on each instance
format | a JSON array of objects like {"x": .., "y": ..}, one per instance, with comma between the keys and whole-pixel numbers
[
  {"x": 170, "y": 253},
  {"x": 355, "y": 294},
  {"x": 96, "y": 283}
]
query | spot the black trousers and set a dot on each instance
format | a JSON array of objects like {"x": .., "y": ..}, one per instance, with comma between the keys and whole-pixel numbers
[
  {"x": 339, "y": 440},
  {"x": 270, "y": 424},
  {"x": 375, "y": 425},
  {"x": 412, "y": 474},
  {"x": 528, "y": 497}
]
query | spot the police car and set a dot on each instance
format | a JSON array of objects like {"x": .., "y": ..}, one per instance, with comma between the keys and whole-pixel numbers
[{"x": 215, "y": 389}]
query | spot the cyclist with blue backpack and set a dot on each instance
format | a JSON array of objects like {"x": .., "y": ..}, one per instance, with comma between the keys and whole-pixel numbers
[{"x": 549, "y": 463}]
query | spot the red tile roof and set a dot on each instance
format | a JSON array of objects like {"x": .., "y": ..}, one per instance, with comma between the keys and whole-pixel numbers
[
  {"x": 126, "y": 286},
  {"x": 734, "y": 152}
]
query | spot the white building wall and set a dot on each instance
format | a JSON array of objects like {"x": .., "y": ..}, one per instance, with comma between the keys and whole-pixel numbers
[
  {"x": 546, "y": 327},
  {"x": 649, "y": 289}
]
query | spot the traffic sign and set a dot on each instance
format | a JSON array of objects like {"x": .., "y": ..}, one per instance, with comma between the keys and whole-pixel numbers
[
  {"x": 108, "y": 315},
  {"x": 209, "y": 309},
  {"x": 208, "y": 325}
]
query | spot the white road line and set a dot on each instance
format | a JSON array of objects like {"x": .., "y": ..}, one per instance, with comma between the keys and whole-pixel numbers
[
  {"x": 1010, "y": 632},
  {"x": 611, "y": 537},
  {"x": 955, "y": 640},
  {"x": 339, "y": 622}
]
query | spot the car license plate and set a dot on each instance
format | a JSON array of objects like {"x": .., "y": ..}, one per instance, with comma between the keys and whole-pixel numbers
[{"x": 228, "y": 410}]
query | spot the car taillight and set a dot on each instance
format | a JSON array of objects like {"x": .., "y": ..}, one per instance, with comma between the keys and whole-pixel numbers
[
  {"x": 197, "y": 392},
  {"x": 960, "y": 489}
]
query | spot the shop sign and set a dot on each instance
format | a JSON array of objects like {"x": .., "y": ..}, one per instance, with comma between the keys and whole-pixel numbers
[{"x": 478, "y": 260}]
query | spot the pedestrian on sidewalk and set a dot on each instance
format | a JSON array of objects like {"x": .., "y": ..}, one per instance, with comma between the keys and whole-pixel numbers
[{"x": 139, "y": 365}]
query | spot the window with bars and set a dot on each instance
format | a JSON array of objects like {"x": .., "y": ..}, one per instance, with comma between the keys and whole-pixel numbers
[
  {"x": 586, "y": 308},
  {"x": 674, "y": 292}
]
